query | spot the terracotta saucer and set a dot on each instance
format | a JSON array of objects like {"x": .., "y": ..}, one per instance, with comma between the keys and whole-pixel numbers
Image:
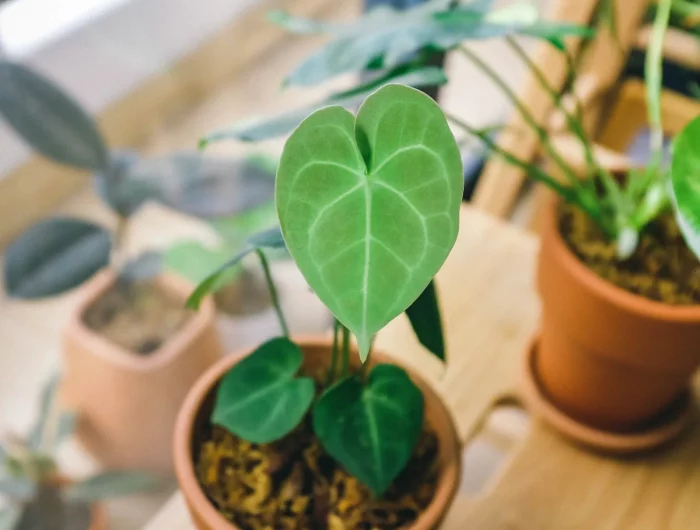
[{"x": 658, "y": 432}]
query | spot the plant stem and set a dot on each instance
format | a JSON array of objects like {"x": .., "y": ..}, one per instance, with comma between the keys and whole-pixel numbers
[
  {"x": 346, "y": 351},
  {"x": 535, "y": 172},
  {"x": 525, "y": 113},
  {"x": 574, "y": 122},
  {"x": 120, "y": 234},
  {"x": 273, "y": 291},
  {"x": 653, "y": 80},
  {"x": 334, "y": 353}
]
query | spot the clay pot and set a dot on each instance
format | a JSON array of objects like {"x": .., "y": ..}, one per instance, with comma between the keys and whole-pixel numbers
[
  {"x": 99, "y": 517},
  {"x": 606, "y": 357},
  {"x": 198, "y": 405},
  {"x": 127, "y": 403}
]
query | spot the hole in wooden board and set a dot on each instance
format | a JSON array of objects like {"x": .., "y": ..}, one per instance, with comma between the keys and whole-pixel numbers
[{"x": 505, "y": 425}]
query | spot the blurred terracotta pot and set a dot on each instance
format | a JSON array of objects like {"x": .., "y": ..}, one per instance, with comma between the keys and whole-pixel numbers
[
  {"x": 606, "y": 357},
  {"x": 99, "y": 517},
  {"x": 128, "y": 403},
  {"x": 197, "y": 408}
]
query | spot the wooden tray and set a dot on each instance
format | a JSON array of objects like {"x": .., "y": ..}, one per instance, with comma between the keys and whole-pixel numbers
[{"x": 491, "y": 310}]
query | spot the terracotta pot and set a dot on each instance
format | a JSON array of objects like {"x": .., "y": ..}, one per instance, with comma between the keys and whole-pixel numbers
[
  {"x": 128, "y": 403},
  {"x": 198, "y": 405},
  {"x": 99, "y": 517},
  {"x": 606, "y": 357}
]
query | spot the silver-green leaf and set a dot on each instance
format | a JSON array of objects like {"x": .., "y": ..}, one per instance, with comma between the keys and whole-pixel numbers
[
  {"x": 369, "y": 206},
  {"x": 111, "y": 484}
]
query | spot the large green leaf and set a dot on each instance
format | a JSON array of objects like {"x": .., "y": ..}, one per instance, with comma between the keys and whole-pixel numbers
[
  {"x": 262, "y": 398},
  {"x": 369, "y": 207},
  {"x": 685, "y": 177},
  {"x": 55, "y": 255},
  {"x": 424, "y": 315},
  {"x": 111, "y": 484},
  {"x": 271, "y": 127},
  {"x": 388, "y": 36},
  {"x": 270, "y": 239},
  {"x": 49, "y": 120},
  {"x": 371, "y": 429}
]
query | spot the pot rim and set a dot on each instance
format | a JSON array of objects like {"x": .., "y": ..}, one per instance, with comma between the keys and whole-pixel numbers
[
  {"x": 112, "y": 352},
  {"x": 617, "y": 296},
  {"x": 447, "y": 484}
]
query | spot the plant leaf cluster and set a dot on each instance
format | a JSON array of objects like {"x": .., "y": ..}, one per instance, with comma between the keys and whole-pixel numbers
[
  {"x": 38, "y": 495},
  {"x": 60, "y": 253}
]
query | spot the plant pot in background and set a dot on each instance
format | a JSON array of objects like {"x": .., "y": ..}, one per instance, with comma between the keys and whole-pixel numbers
[
  {"x": 127, "y": 403},
  {"x": 608, "y": 358},
  {"x": 195, "y": 415}
]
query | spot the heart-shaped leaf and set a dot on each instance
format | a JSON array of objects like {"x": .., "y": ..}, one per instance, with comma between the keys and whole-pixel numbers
[
  {"x": 55, "y": 255},
  {"x": 262, "y": 398},
  {"x": 369, "y": 207},
  {"x": 685, "y": 177},
  {"x": 271, "y": 127},
  {"x": 371, "y": 429},
  {"x": 111, "y": 484},
  {"x": 49, "y": 120},
  {"x": 424, "y": 315}
]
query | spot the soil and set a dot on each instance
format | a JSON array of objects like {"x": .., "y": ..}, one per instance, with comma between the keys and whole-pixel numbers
[
  {"x": 139, "y": 316},
  {"x": 293, "y": 484},
  {"x": 661, "y": 269}
]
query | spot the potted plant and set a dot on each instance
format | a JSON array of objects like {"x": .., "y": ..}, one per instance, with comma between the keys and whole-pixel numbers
[
  {"x": 612, "y": 364},
  {"x": 305, "y": 433},
  {"x": 40, "y": 496},
  {"x": 130, "y": 345}
]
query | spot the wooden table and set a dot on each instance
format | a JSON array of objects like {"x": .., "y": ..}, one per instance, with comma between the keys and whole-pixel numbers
[{"x": 491, "y": 310}]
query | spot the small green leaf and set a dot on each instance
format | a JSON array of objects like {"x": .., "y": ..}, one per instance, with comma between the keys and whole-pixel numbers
[
  {"x": 271, "y": 127},
  {"x": 270, "y": 238},
  {"x": 122, "y": 187},
  {"x": 685, "y": 178},
  {"x": 49, "y": 120},
  {"x": 54, "y": 256},
  {"x": 372, "y": 429},
  {"x": 111, "y": 484},
  {"x": 9, "y": 517},
  {"x": 369, "y": 207},
  {"x": 424, "y": 315},
  {"x": 194, "y": 261},
  {"x": 17, "y": 488},
  {"x": 261, "y": 398}
]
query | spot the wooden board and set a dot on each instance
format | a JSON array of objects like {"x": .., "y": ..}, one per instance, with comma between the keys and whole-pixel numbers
[{"x": 487, "y": 292}]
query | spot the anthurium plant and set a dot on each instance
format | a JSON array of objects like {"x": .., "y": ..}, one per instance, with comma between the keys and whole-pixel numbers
[
  {"x": 60, "y": 253},
  {"x": 368, "y": 206},
  {"x": 37, "y": 494}
]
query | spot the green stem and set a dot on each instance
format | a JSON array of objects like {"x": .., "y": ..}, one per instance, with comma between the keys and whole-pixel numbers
[
  {"x": 334, "y": 353},
  {"x": 653, "y": 79},
  {"x": 345, "y": 351},
  {"x": 525, "y": 113},
  {"x": 273, "y": 291},
  {"x": 534, "y": 172}
]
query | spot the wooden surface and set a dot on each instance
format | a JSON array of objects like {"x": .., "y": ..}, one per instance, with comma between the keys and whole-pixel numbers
[{"x": 486, "y": 289}]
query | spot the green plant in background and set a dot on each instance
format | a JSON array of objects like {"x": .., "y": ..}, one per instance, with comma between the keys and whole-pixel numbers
[
  {"x": 60, "y": 253},
  {"x": 396, "y": 43},
  {"x": 38, "y": 495},
  {"x": 369, "y": 210}
]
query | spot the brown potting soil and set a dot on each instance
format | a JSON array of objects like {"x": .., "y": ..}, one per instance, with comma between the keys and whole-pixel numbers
[
  {"x": 662, "y": 267},
  {"x": 293, "y": 484},
  {"x": 139, "y": 317}
]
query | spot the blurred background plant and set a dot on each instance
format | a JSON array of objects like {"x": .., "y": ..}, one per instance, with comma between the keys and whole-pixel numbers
[{"x": 38, "y": 496}]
